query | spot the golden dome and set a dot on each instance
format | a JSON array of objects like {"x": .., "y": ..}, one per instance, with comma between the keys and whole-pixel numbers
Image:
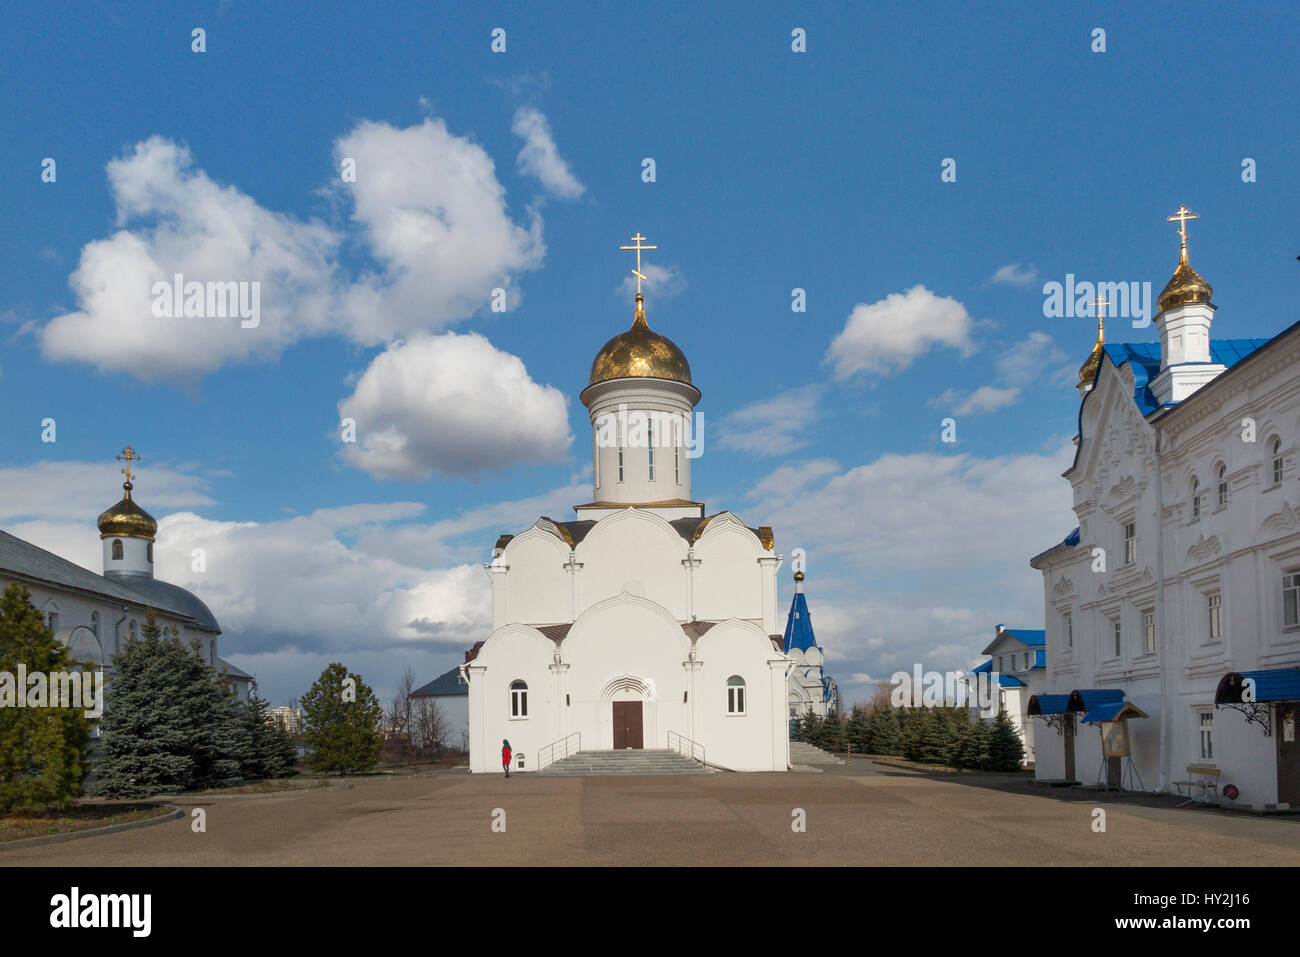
[
  {"x": 1185, "y": 286},
  {"x": 641, "y": 354},
  {"x": 127, "y": 520}
]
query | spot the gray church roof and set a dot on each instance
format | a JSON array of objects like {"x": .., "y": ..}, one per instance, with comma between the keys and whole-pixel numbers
[
  {"x": 25, "y": 560},
  {"x": 448, "y": 683}
]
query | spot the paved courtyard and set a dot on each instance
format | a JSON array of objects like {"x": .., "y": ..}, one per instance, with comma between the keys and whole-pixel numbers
[{"x": 861, "y": 814}]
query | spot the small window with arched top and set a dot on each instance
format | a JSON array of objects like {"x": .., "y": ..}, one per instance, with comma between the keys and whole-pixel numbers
[
  {"x": 94, "y": 623},
  {"x": 735, "y": 695},
  {"x": 117, "y": 549},
  {"x": 1279, "y": 463},
  {"x": 131, "y": 628},
  {"x": 149, "y": 552},
  {"x": 1222, "y": 478},
  {"x": 1196, "y": 498},
  {"x": 518, "y": 699}
]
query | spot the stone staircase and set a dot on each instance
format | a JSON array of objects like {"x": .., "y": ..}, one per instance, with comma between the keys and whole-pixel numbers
[
  {"x": 631, "y": 761},
  {"x": 803, "y": 753}
]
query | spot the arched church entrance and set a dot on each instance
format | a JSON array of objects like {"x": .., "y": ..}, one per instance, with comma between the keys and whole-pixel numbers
[{"x": 628, "y": 713}]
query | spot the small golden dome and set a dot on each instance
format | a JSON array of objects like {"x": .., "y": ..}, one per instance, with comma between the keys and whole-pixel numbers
[
  {"x": 640, "y": 353},
  {"x": 798, "y": 576},
  {"x": 1088, "y": 371},
  {"x": 1185, "y": 286},
  {"x": 127, "y": 520}
]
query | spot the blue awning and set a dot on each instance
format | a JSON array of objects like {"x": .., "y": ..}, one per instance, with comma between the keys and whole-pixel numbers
[
  {"x": 1272, "y": 684},
  {"x": 1114, "y": 711},
  {"x": 1090, "y": 699},
  {"x": 1048, "y": 704}
]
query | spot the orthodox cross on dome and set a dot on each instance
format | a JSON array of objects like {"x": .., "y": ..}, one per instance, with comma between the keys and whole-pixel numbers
[
  {"x": 128, "y": 456},
  {"x": 1183, "y": 214},
  {"x": 638, "y": 238},
  {"x": 1099, "y": 305}
]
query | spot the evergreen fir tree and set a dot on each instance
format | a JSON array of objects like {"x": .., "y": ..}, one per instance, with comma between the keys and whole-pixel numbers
[
  {"x": 884, "y": 732},
  {"x": 341, "y": 723},
  {"x": 1004, "y": 748},
  {"x": 148, "y": 731},
  {"x": 857, "y": 730},
  {"x": 969, "y": 748},
  {"x": 43, "y": 750},
  {"x": 271, "y": 752}
]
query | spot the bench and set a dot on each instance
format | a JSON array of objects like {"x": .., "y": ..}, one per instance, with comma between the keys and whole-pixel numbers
[{"x": 1202, "y": 778}]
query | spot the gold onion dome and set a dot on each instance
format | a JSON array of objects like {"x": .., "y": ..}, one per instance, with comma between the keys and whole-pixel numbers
[
  {"x": 641, "y": 354},
  {"x": 1185, "y": 286},
  {"x": 126, "y": 519}
]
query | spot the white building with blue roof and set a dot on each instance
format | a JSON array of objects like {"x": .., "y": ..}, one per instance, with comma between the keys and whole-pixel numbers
[
  {"x": 94, "y": 614},
  {"x": 1182, "y": 578},
  {"x": 1018, "y": 657},
  {"x": 811, "y": 689}
]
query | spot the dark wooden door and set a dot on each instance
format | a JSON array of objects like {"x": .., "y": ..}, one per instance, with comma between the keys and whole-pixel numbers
[
  {"x": 1288, "y": 752},
  {"x": 1068, "y": 733},
  {"x": 627, "y": 725}
]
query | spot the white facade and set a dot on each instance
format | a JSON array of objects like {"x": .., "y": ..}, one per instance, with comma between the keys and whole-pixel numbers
[
  {"x": 1017, "y": 668},
  {"x": 1189, "y": 523},
  {"x": 642, "y": 619},
  {"x": 95, "y": 614}
]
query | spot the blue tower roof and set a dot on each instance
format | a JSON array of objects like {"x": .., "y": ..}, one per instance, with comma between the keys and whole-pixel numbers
[{"x": 798, "y": 626}]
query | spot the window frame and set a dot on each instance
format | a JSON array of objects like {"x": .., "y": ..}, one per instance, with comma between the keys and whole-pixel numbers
[
  {"x": 736, "y": 703},
  {"x": 518, "y": 700},
  {"x": 1294, "y": 588},
  {"x": 1221, "y": 476},
  {"x": 1205, "y": 733},
  {"x": 1214, "y": 610},
  {"x": 1279, "y": 460},
  {"x": 1130, "y": 543},
  {"x": 1149, "y": 631}
]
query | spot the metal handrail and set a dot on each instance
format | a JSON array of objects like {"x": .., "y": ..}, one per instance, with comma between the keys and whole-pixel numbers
[
  {"x": 555, "y": 747},
  {"x": 686, "y": 747}
]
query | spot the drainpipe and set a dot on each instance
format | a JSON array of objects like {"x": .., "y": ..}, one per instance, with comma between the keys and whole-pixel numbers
[
  {"x": 1161, "y": 644},
  {"x": 117, "y": 630}
]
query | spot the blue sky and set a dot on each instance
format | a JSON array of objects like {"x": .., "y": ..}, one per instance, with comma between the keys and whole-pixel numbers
[{"x": 774, "y": 170}]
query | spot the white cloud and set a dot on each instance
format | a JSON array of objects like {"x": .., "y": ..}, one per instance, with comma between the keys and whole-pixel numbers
[
  {"x": 178, "y": 220},
  {"x": 986, "y": 398},
  {"x": 914, "y": 558},
  {"x": 433, "y": 213},
  {"x": 1015, "y": 274},
  {"x": 540, "y": 158},
  {"x": 774, "y": 426},
  {"x": 790, "y": 479},
  {"x": 886, "y": 336},
  {"x": 426, "y": 204},
  {"x": 455, "y": 405},
  {"x": 661, "y": 282}
]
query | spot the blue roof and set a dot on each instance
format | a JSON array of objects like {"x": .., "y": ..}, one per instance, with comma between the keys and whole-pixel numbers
[
  {"x": 448, "y": 683},
  {"x": 1069, "y": 541},
  {"x": 1144, "y": 358},
  {"x": 1040, "y": 658},
  {"x": 798, "y": 626},
  {"x": 1028, "y": 636},
  {"x": 1091, "y": 699},
  {"x": 1004, "y": 681},
  {"x": 1048, "y": 703},
  {"x": 1273, "y": 684}
]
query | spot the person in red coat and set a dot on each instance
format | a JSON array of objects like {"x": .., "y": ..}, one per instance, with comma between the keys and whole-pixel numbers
[{"x": 505, "y": 755}]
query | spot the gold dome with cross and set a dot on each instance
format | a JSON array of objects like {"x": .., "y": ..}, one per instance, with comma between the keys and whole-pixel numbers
[
  {"x": 640, "y": 352},
  {"x": 126, "y": 519}
]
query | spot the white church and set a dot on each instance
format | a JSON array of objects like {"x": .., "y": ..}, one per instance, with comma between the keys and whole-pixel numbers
[
  {"x": 645, "y": 623},
  {"x": 94, "y": 614},
  {"x": 1180, "y": 588}
]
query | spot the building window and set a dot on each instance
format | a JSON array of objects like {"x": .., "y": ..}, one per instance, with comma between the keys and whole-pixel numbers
[
  {"x": 54, "y": 621},
  {"x": 1196, "y": 498},
  {"x": 1119, "y": 638},
  {"x": 1223, "y": 485},
  {"x": 131, "y": 628},
  {"x": 94, "y": 623},
  {"x": 1215, "y": 602},
  {"x": 1291, "y": 599},
  {"x": 1207, "y": 735},
  {"x": 650, "y": 435},
  {"x": 117, "y": 549},
  {"x": 1069, "y": 629},
  {"x": 1149, "y": 629},
  {"x": 149, "y": 552},
  {"x": 595, "y": 456},
  {"x": 518, "y": 699},
  {"x": 1278, "y": 464},
  {"x": 1130, "y": 543},
  {"x": 735, "y": 695}
]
